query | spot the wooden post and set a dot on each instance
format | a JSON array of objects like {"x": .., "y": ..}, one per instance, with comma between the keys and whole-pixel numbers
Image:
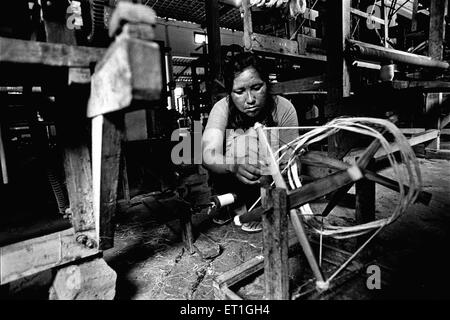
[
  {"x": 337, "y": 26},
  {"x": 438, "y": 11},
  {"x": 73, "y": 136},
  {"x": 414, "y": 15},
  {"x": 365, "y": 200},
  {"x": 107, "y": 132},
  {"x": 4, "y": 171},
  {"x": 214, "y": 51},
  {"x": 275, "y": 242},
  {"x": 248, "y": 27}
]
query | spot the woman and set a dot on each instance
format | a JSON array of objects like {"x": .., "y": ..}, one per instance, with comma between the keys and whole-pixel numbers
[{"x": 236, "y": 166}]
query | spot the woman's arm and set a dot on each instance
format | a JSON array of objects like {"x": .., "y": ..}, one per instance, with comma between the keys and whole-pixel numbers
[{"x": 214, "y": 159}]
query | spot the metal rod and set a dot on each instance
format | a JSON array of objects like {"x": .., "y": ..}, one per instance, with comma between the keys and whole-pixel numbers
[{"x": 377, "y": 53}]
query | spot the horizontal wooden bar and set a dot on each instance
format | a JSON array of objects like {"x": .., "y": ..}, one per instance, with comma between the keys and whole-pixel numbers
[
  {"x": 26, "y": 258},
  {"x": 50, "y": 54},
  {"x": 428, "y": 86},
  {"x": 437, "y": 154},
  {"x": 413, "y": 141},
  {"x": 285, "y": 47},
  {"x": 318, "y": 188},
  {"x": 34, "y": 231},
  {"x": 298, "y": 85},
  {"x": 366, "y": 15}
]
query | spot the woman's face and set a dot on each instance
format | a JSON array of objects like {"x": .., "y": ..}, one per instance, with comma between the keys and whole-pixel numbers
[{"x": 249, "y": 92}]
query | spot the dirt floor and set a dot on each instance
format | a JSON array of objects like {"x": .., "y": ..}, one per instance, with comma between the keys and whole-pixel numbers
[{"x": 152, "y": 263}]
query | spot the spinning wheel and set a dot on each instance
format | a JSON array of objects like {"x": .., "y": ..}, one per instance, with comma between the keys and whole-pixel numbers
[{"x": 406, "y": 181}]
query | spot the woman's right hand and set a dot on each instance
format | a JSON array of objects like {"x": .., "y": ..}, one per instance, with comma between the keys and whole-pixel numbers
[{"x": 246, "y": 172}]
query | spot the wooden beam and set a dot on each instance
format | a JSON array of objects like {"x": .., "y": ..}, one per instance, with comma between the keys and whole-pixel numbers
[
  {"x": 214, "y": 48},
  {"x": 275, "y": 243},
  {"x": 298, "y": 85},
  {"x": 337, "y": 30},
  {"x": 366, "y": 15},
  {"x": 31, "y": 256},
  {"x": 74, "y": 140},
  {"x": 421, "y": 138},
  {"x": 248, "y": 25},
  {"x": 437, "y": 154},
  {"x": 437, "y": 29},
  {"x": 426, "y": 86},
  {"x": 107, "y": 134},
  {"x": 278, "y": 46},
  {"x": 130, "y": 70},
  {"x": 50, "y": 54}
]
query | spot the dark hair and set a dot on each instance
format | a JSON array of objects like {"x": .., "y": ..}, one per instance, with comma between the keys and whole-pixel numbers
[{"x": 234, "y": 66}]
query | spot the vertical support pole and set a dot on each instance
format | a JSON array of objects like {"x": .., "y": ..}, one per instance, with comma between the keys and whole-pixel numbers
[
  {"x": 125, "y": 183},
  {"x": 187, "y": 233},
  {"x": 386, "y": 23},
  {"x": 214, "y": 47},
  {"x": 365, "y": 201},
  {"x": 169, "y": 69},
  {"x": 74, "y": 139},
  {"x": 414, "y": 15},
  {"x": 107, "y": 131},
  {"x": 337, "y": 26},
  {"x": 275, "y": 242},
  {"x": 248, "y": 27},
  {"x": 4, "y": 170},
  {"x": 196, "y": 88},
  {"x": 438, "y": 11}
]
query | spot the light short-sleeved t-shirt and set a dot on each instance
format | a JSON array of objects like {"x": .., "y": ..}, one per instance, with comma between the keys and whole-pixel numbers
[{"x": 240, "y": 143}]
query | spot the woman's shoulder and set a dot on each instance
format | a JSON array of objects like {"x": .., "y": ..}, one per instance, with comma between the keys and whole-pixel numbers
[
  {"x": 283, "y": 105},
  {"x": 283, "y": 102}
]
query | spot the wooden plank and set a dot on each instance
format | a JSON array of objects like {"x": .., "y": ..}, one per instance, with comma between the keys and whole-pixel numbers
[
  {"x": 239, "y": 273},
  {"x": 107, "y": 133},
  {"x": 298, "y": 85},
  {"x": 130, "y": 70},
  {"x": 31, "y": 256},
  {"x": 50, "y": 54},
  {"x": 279, "y": 46},
  {"x": 245, "y": 270},
  {"x": 274, "y": 44},
  {"x": 275, "y": 244},
  {"x": 427, "y": 86}
]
